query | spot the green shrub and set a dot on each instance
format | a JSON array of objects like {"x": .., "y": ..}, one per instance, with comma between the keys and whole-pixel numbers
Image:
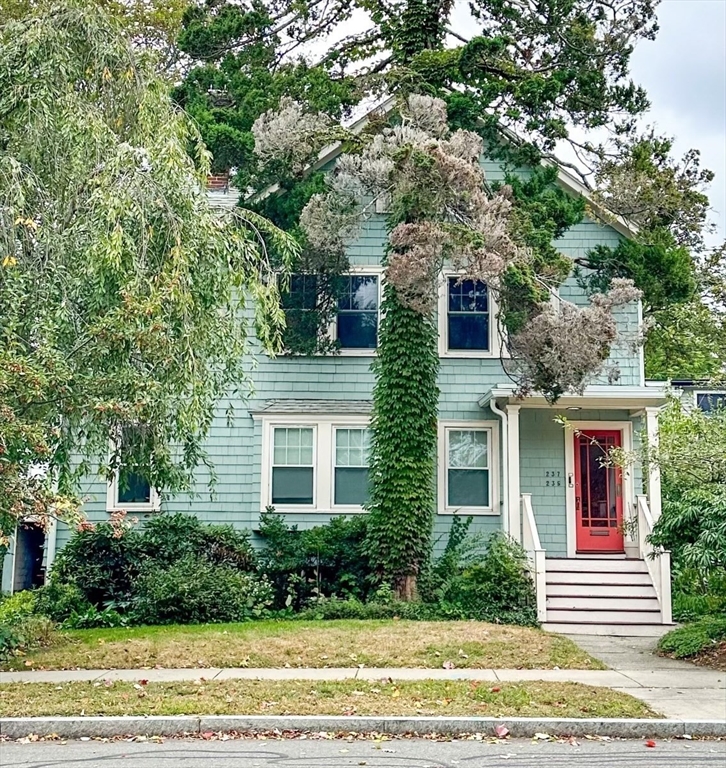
[
  {"x": 324, "y": 561},
  {"x": 693, "y": 638},
  {"x": 92, "y": 618},
  {"x": 103, "y": 562},
  {"x": 692, "y": 527},
  {"x": 497, "y": 589},
  {"x": 166, "y": 539},
  {"x": 58, "y": 601},
  {"x": 195, "y": 591},
  {"x": 25, "y": 633},
  {"x": 333, "y": 608},
  {"x": 15, "y": 607}
]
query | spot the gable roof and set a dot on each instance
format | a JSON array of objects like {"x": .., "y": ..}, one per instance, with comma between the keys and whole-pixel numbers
[{"x": 567, "y": 180}]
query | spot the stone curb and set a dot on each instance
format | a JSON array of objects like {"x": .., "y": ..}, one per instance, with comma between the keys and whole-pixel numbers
[{"x": 523, "y": 727}]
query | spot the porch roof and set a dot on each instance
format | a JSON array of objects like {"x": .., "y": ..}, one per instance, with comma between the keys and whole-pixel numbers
[{"x": 653, "y": 395}]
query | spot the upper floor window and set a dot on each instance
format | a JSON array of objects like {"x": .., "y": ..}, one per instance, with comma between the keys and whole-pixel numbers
[
  {"x": 299, "y": 304},
  {"x": 467, "y": 315},
  {"x": 709, "y": 402},
  {"x": 358, "y": 312}
]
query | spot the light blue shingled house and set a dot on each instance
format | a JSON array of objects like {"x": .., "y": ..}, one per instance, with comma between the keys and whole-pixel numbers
[{"x": 299, "y": 444}]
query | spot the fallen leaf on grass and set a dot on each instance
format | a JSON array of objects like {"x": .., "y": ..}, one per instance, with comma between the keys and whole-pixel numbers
[{"x": 449, "y": 665}]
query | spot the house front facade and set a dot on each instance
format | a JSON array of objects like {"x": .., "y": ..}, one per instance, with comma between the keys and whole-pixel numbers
[{"x": 533, "y": 470}]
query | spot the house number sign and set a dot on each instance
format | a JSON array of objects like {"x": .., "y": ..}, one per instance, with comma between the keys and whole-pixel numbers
[{"x": 553, "y": 478}]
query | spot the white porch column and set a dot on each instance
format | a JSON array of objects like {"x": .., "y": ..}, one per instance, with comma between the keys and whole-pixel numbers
[
  {"x": 515, "y": 502},
  {"x": 653, "y": 475}
]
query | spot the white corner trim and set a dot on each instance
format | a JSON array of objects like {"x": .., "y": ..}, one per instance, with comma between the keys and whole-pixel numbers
[
  {"x": 626, "y": 430},
  {"x": 492, "y": 427}
]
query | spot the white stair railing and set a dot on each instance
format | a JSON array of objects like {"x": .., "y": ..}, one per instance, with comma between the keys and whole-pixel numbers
[
  {"x": 531, "y": 543},
  {"x": 659, "y": 566}
]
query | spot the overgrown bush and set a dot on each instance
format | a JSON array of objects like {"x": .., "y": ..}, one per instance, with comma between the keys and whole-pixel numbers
[
  {"x": 324, "y": 561},
  {"x": 166, "y": 539},
  {"x": 692, "y": 639},
  {"x": 103, "y": 562},
  {"x": 58, "y": 601},
  {"x": 20, "y": 628},
  {"x": 196, "y": 591},
  {"x": 692, "y": 527},
  {"x": 102, "y": 566},
  {"x": 497, "y": 589},
  {"x": 15, "y": 607}
]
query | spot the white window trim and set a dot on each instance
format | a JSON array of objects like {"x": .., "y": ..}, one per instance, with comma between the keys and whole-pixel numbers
[
  {"x": 492, "y": 427},
  {"x": 710, "y": 392},
  {"x": 323, "y": 426},
  {"x": 113, "y": 504},
  {"x": 347, "y": 508},
  {"x": 497, "y": 347},
  {"x": 360, "y": 271}
]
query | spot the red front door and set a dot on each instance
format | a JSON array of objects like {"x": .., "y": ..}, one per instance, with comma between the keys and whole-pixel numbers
[{"x": 598, "y": 493}]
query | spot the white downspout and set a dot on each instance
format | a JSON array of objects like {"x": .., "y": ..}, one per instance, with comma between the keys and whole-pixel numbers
[{"x": 505, "y": 462}]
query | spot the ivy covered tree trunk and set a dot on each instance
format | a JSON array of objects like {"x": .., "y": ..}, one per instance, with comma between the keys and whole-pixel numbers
[{"x": 403, "y": 449}]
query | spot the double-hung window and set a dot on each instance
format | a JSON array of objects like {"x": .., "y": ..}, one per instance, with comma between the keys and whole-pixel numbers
[
  {"x": 315, "y": 462},
  {"x": 293, "y": 466},
  {"x": 299, "y": 304},
  {"x": 358, "y": 312},
  {"x": 468, "y": 468},
  {"x": 351, "y": 466},
  {"x": 467, "y": 315}
]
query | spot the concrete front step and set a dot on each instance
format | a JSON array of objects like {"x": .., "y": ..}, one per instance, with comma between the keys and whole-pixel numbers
[
  {"x": 600, "y": 590},
  {"x": 591, "y": 603},
  {"x": 590, "y": 565},
  {"x": 611, "y": 630},
  {"x": 581, "y": 577},
  {"x": 591, "y": 614}
]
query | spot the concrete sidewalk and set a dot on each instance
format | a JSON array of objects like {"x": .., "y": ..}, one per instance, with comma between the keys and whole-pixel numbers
[{"x": 683, "y": 693}]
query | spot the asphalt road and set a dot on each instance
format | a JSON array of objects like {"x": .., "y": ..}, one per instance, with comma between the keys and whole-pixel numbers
[{"x": 341, "y": 754}]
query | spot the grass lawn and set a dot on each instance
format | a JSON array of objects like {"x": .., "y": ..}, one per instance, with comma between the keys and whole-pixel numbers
[
  {"x": 311, "y": 644},
  {"x": 351, "y": 697}
]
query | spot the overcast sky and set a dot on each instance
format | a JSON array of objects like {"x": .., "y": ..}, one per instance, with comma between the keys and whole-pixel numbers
[{"x": 684, "y": 72}]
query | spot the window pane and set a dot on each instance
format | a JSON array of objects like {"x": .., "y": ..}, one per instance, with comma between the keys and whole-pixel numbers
[
  {"x": 303, "y": 293},
  {"x": 468, "y": 296},
  {"x": 358, "y": 312},
  {"x": 468, "y": 449},
  {"x": 133, "y": 489},
  {"x": 292, "y": 485},
  {"x": 351, "y": 447},
  {"x": 293, "y": 446},
  {"x": 351, "y": 485},
  {"x": 711, "y": 401},
  {"x": 468, "y": 488},
  {"x": 468, "y": 314},
  {"x": 358, "y": 330},
  {"x": 469, "y": 331}
]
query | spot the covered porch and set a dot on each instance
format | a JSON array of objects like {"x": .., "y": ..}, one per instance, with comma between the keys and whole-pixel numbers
[{"x": 584, "y": 520}]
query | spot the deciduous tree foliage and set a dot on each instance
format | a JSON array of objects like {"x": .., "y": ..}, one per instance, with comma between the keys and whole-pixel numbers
[{"x": 121, "y": 290}]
